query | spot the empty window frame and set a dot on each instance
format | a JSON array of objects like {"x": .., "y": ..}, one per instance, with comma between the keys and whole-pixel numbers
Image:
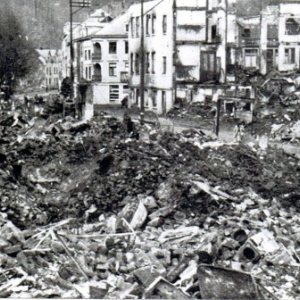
[
  {"x": 292, "y": 26},
  {"x": 289, "y": 56},
  {"x": 164, "y": 66},
  {"x": 112, "y": 69},
  {"x": 112, "y": 47},
  {"x": 246, "y": 33},
  {"x": 251, "y": 58},
  {"x": 164, "y": 24},
  {"x": 213, "y": 32}
]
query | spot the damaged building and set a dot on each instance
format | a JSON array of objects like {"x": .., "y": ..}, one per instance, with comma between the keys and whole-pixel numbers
[
  {"x": 188, "y": 48},
  {"x": 271, "y": 40}
]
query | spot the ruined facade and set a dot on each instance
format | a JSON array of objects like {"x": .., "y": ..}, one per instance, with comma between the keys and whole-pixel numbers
[
  {"x": 271, "y": 40},
  {"x": 188, "y": 46}
]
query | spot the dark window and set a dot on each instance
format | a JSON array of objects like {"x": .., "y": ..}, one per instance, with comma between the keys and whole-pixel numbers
[
  {"x": 272, "y": 32},
  {"x": 112, "y": 47},
  {"x": 146, "y": 99},
  {"x": 97, "y": 72},
  {"x": 131, "y": 63},
  {"x": 246, "y": 33},
  {"x": 148, "y": 17},
  {"x": 137, "y": 64},
  {"x": 292, "y": 26},
  {"x": 153, "y": 56},
  {"x": 147, "y": 63},
  {"x": 137, "y": 95},
  {"x": 164, "y": 25},
  {"x": 90, "y": 72},
  {"x": 154, "y": 98},
  {"x": 97, "y": 51},
  {"x": 164, "y": 65},
  {"x": 112, "y": 69},
  {"x": 126, "y": 28},
  {"x": 153, "y": 23},
  {"x": 213, "y": 32},
  {"x": 126, "y": 47}
]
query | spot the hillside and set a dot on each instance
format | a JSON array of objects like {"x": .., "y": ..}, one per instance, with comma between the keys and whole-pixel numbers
[{"x": 43, "y": 21}]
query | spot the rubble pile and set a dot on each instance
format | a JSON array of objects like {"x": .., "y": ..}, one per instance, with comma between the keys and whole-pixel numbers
[{"x": 90, "y": 210}]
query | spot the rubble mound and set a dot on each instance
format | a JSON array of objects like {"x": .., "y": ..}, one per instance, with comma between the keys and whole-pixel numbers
[{"x": 89, "y": 209}]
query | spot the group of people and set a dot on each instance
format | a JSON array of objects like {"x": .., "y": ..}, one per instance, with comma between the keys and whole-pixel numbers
[{"x": 239, "y": 131}]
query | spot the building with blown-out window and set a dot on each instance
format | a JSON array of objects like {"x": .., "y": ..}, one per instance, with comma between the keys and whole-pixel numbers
[{"x": 188, "y": 47}]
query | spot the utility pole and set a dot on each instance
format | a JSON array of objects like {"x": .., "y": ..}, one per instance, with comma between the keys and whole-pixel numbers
[
  {"x": 71, "y": 52},
  {"x": 80, "y": 4},
  {"x": 142, "y": 55}
]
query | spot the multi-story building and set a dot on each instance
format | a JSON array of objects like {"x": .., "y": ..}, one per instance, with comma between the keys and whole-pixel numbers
[
  {"x": 103, "y": 62},
  {"x": 187, "y": 45},
  {"x": 249, "y": 42},
  {"x": 51, "y": 62},
  {"x": 271, "y": 40},
  {"x": 96, "y": 21}
]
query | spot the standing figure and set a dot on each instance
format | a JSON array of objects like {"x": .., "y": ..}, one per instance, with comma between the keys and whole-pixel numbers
[
  {"x": 237, "y": 133},
  {"x": 242, "y": 131}
]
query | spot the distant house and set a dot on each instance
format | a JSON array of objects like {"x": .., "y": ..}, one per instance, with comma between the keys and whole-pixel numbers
[
  {"x": 51, "y": 62},
  {"x": 104, "y": 61}
]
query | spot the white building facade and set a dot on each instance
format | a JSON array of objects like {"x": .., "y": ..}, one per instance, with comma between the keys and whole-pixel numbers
[
  {"x": 186, "y": 46},
  {"x": 102, "y": 61}
]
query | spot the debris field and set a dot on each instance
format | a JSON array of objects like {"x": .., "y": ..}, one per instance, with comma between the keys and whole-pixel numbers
[{"x": 99, "y": 210}]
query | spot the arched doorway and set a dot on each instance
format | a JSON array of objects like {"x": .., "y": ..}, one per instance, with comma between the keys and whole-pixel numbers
[
  {"x": 97, "y": 51},
  {"x": 97, "y": 73}
]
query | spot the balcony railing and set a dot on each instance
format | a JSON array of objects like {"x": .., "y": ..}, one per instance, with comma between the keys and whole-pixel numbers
[
  {"x": 273, "y": 42},
  {"x": 97, "y": 78},
  {"x": 96, "y": 56},
  {"x": 124, "y": 77},
  {"x": 250, "y": 41}
]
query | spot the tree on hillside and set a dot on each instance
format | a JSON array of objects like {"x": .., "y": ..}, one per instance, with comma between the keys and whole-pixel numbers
[{"x": 17, "y": 57}]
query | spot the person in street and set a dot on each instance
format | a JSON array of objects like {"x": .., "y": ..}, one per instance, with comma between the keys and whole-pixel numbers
[
  {"x": 237, "y": 133},
  {"x": 124, "y": 102},
  {"x": 26, "y": 102},
  {"x": 242, "y": 131}
]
